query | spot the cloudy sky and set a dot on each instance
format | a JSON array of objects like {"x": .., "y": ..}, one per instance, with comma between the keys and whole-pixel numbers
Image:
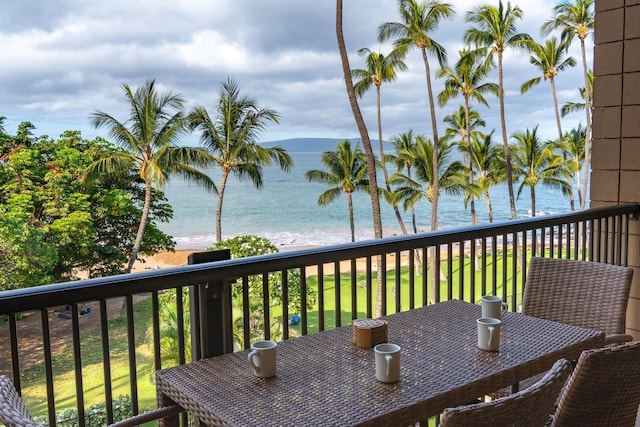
[{"x": 63, "y": 59}]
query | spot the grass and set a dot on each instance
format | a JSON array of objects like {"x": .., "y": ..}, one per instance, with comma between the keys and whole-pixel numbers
[{"x": 91, "y": 350}]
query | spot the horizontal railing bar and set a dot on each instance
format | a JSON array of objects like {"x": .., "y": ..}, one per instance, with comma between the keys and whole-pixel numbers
[{"x": 40, "y": 297}]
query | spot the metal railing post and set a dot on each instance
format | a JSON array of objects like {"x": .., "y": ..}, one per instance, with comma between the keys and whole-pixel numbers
[{"x": 211, "y": 311}]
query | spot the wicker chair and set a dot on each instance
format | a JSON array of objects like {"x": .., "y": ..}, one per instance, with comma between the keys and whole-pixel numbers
[
  {"x": 586, "y": 294},
  {"x": 146, "y": 417},
  {"x": 529, "y": 407},
  {"x": 13, "y": 413},
  {"x": 603, "y": 390}
]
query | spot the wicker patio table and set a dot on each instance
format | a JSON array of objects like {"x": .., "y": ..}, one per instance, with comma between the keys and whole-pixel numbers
[{"x": 323, "y": 379}]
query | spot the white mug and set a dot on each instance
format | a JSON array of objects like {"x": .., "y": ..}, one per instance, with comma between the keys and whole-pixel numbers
[
  {"x": 493, "y": 307},
  {"x": 263, "y": 358},
  {"x": 387, "y": 358},
  {"x": 489, "y": 333}
]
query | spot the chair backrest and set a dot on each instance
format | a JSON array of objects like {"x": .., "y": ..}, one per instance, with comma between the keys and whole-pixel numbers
[
  {"x": 529, "y": 407},
  {"x": 13, "y": 413},
  {"x": 604, "y": 389},
  {"x": 581, "y": 293}
]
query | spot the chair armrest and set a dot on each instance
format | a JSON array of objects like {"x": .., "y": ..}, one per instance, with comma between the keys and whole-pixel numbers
[
  {"x": 617, "y": 339},
  {"x": 156, "y": 414}
]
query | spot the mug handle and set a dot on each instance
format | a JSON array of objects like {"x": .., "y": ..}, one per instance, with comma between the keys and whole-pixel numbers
[
  {"x": 252, "y": 355},
  {"x": 504, "y": 307},
  {"x": 388, "y": 358},
  {"x": 491, "y": 329}
]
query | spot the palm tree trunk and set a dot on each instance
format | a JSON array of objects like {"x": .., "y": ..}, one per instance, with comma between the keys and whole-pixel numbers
[
  {"x": 141, "y": 227},
  {"x": 505, "y": 141},
  {"x": 587, "y": 138},
  {"x": 559, "y": 125},
  {"x": 366, "y": 143},
  {"x": 474, "y": 216},
  {"x": 223, "y": 184},
  {"x": 487, "y": 198},
  {"x": 352, "y": 224},
  {"x": 533, "y": 200},
  {"x": 384, "y": 164}
]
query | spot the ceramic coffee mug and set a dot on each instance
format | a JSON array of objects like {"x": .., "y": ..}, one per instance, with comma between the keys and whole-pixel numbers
[
  {"x": 493, "y": 307},
  {"x": 387, "y": 357},
  {"x": 489, "y": 333},
  {"x": 262, "y": 358}
]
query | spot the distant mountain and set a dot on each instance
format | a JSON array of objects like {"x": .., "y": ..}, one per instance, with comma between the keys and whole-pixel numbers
[{"x": 315, "y": 145}]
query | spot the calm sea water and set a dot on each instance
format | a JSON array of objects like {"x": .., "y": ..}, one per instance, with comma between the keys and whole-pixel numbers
[{"x": 286, "y": 211}]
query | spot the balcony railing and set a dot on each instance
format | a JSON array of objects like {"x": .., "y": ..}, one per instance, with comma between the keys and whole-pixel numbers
[{"x": 158, "y": 318}]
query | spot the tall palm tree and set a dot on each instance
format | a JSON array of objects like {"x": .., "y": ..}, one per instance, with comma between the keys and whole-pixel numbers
[
  {"x": 536, "y": 162},
  {"x": 550, "y": 58},
  {"x": 570, "y": 107},
  {"x": 410, "y": 190},
  {"x": 403, "y": 145},
  {"x": 575, "y": 18},
  {"x": 419, "y": 21},
  {"x": 462, "y": 124},
  {"x": 148, "y": 140},
  {"x": 380, "y": 69},
  {"x": 495, "y": 29},
  {"x": 346, "y": 172},
  {"x": 231, "y": 139},
  {"x": 573, "y": 144},
  {"x": 366, "y": 143},
  {"x": 488, "y": 160}
]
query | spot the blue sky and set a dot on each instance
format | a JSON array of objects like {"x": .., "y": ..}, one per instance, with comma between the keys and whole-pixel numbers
[{"x": 64, "y": 59}]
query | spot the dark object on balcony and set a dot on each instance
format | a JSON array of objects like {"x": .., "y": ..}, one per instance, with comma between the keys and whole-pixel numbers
[
  {"x": 603, "y": 390},
  {"x": 586, "y": 294},
  {"x": 156, "y": 414},
  {"x": 13, "y": 413},
  {"x": 529, "y": 407}
]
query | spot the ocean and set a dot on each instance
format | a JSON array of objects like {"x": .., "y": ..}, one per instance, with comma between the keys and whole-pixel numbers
[{"x": 286, "y": 212}]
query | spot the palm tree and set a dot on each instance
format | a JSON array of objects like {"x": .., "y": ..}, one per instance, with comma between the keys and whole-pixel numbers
[
  {"x": 488, "y": 159},
  {"x": 346, "y": 171},
  {"x": 573, "y": 144},
  {"x": 231, "y": 139},
  {"x": 419, "y": 20},
  {"x": 575, "y": 18},
  {"x": 148, "y": 141},
  {"x": 362, "y": 129},
  {"x": 403, "y": 145},
  {"x": 570, "y": 107},
  {"x": 495, "y": 29},
  {"x": 379, "y": 69},
  {"x": 550, "y": 58},
  {"x": 463, "y": 126},
  {"x": 410, "y": 190},
  {"x": 366, "y": 143},
  {"x": 536, "y": 163}
]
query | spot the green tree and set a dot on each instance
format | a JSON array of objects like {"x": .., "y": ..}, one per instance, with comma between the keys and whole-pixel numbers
[
  {"x": 488, "y": 160},
  {"x": 148, "y": 139},
  {"x": 419, "y": 20},
  {"x": 536, "y": 162},
  {"x": 463, "y": 127},
  {"x": 346, "y": 172},
  {"x": 495, "y": 29},
  {"x": 550, "y": 58},
  {"x": 380, "y": 69},
  {"x": 231, "y": 139},
  {"x": 570, "y": 107},
  {"x": 573, "y": 144},
  {"x": 575, "y": 18},
  {"x": 403, "y": 145},
  {"x": 410, "y": 190}
]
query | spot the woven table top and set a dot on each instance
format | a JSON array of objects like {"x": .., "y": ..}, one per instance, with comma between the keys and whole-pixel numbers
[{"x": 323, "y": 379}]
